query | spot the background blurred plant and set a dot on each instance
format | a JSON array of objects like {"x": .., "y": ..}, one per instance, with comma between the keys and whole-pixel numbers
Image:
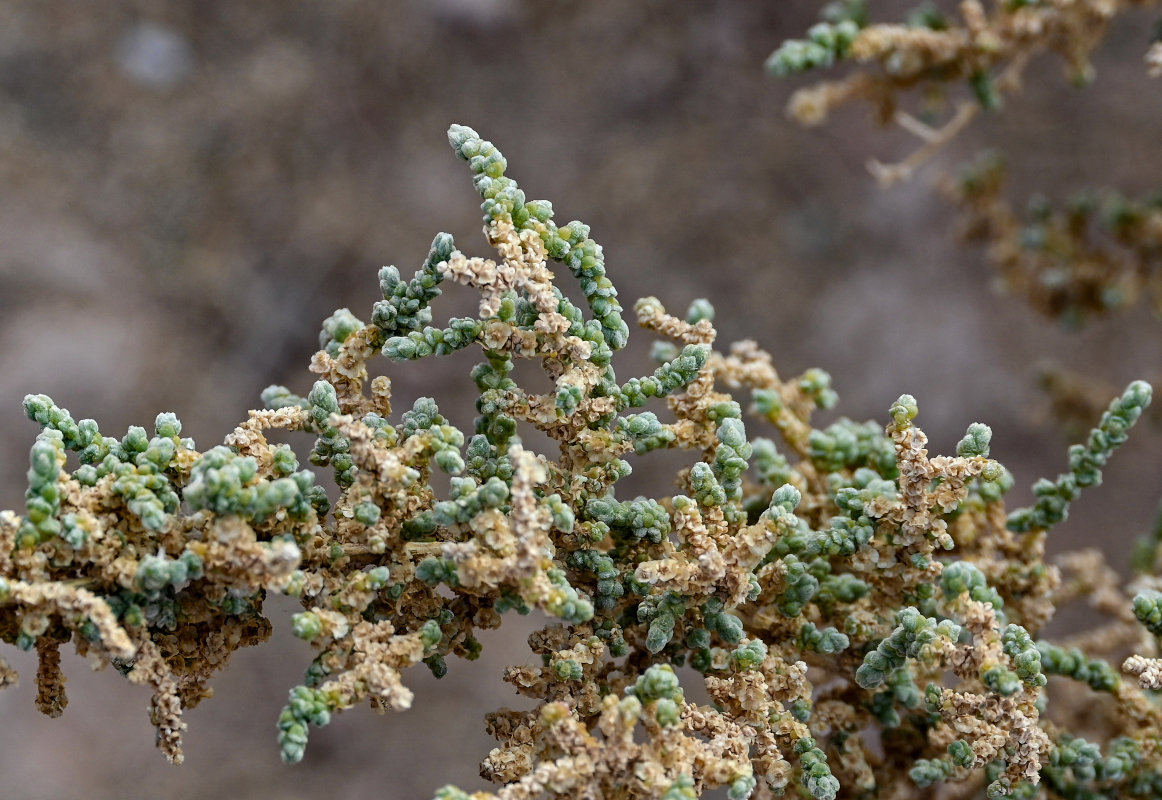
[{"x": 1096, "y": 253}]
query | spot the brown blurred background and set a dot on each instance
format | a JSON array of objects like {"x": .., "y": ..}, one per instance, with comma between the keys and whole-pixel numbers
[{"x": 190, "y": 188}]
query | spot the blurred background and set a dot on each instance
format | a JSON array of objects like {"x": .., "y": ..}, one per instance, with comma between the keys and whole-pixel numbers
[{"x": 189, "y": 189}]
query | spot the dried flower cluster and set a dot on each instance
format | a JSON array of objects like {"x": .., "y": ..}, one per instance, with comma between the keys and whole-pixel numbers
[{"x": 864, "y": 616}]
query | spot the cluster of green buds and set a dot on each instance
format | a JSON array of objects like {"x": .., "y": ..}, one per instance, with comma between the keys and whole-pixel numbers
[
  {"x": 405, "y": 306},
  {"x": 913, "y": 638},
  {"x": 1085, "y": 462},
  {"x": 223, "y": 482},
  {"x": 825, "y": 44}
]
